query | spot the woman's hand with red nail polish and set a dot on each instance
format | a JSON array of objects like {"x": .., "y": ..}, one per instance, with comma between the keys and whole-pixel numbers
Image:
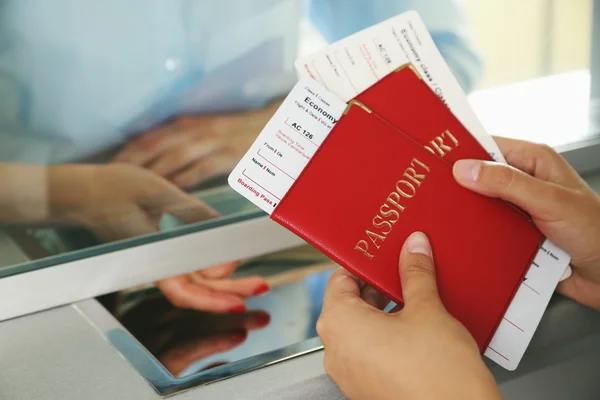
[
  {"x": 420, "y": 352},
  {"x": 212, "y": 289},
  {"x": 561, "y": 204}
]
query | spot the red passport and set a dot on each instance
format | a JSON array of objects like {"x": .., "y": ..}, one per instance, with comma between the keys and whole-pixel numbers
[
  {"x": 403, "y": 99},
  {"x": 370, "y": 185}
]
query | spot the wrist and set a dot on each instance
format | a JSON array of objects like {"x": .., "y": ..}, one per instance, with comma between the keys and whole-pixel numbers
[{"x": 68, "y": 192}]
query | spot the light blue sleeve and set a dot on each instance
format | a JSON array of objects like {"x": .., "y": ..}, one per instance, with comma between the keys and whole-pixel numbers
[{"x": 445, "y": 19}]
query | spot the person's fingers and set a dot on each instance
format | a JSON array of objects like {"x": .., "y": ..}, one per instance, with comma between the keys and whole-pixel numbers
[
  {"x": 417, "y": 272},
  {"x": 342, "y": 286},
  {"x": 180, "y": 205},
  {"x": 143, "y": 149},
  {"x": 123, "y": 224},
  {"x": 542, "y": 200},
  {"x": 177, "y": 158},
  {"x": 191, "y": 211},
  {"x": 219, "y": 271},
  {"x": 373, "y": 298},
  {"x": 155, "y": 196},
  {"x": 567, "y": 274},
  {"x": 255, "y": 320},
  {"x": 245, "y": 287},
  {"x": 342, "y": 306},
  {"x": 537, "y": 160},
  {"x": 184, "y": 293},
  {"x": 204, "y": 169},
  {"x": 581, "y": 290},
  {"x": 569, "y": 287}
]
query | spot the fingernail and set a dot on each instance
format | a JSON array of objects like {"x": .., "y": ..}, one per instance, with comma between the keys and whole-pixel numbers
[
  {"x": 214, "y": 365},
  {"x": 238, "y": 309},
  {"x": 238, "y": 337},
  {"x": 418, "y": 243},
  {"x": 263, "y": 320},
  {"x": 567, "y": 274},
  {"x": 467, "y": 170},
  {"x": 262, "y": 289}
]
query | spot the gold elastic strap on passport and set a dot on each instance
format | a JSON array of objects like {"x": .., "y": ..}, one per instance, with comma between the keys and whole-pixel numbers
[
  {"x": 356, "y": 103},
  {"x": 411, "y": 67}
]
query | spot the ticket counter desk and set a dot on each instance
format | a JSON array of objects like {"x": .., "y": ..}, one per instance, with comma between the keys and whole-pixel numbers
[{"x": 84, "y": 322}]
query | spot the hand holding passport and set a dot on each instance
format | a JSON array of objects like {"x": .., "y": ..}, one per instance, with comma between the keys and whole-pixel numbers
[
  {"x": 356, "y": 180},
  {"x": 418, "y": 352},
  {"x": 377, "y": 184}
]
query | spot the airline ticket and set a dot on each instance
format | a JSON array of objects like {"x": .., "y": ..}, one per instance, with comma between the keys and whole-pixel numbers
[
  {"x": 350, "y": 66},
  {"x": 286, "y": 144}
]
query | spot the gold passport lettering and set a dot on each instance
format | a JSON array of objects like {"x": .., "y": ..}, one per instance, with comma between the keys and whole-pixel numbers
[
  {"x": 439, "y": 146},
  {"x": 390, "y": 210}
]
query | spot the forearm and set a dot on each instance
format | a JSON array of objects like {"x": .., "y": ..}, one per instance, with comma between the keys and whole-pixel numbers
[
  {"x": 37, "y": 194},
  {"x": 23, "y": 193}
]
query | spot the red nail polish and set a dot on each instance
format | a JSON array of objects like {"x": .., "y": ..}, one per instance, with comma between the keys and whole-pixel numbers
[
  {"x": 214, "y": 365},
  {"x": 238, "y": 337},
  {"x": 263, "y": 320},
  {"x": 262, "y": 289},
  {"x": 238, "y": 309}
]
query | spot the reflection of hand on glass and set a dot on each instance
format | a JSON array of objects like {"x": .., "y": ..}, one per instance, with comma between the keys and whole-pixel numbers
[
  {"x": 193, "y": 149},
  {"x": 561, "y": 204},
  {"x": 119, "y": 201},
  {"x": 179, "y": 338},
  {"x": 212, "y": 290}
]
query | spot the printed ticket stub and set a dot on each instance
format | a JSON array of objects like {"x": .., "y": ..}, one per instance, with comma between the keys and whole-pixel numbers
[
  {"x": 527, "y": 308},
  {"x": 286, "y": 144},
  {"x": 348, "y": 67}
]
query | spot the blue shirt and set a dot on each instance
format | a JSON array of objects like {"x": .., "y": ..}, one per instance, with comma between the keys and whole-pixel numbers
[{"x": 79, "y": 77}]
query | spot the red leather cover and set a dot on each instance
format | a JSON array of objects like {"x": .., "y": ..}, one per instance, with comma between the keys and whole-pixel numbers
[
  {"x": 354, "y": 202},
  {"x": 403, "y": 99}
]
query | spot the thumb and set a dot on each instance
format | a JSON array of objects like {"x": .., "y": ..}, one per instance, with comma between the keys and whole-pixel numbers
[
  {"x": 417, "y": 271},
  {"x": 537, "y": 197}
]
